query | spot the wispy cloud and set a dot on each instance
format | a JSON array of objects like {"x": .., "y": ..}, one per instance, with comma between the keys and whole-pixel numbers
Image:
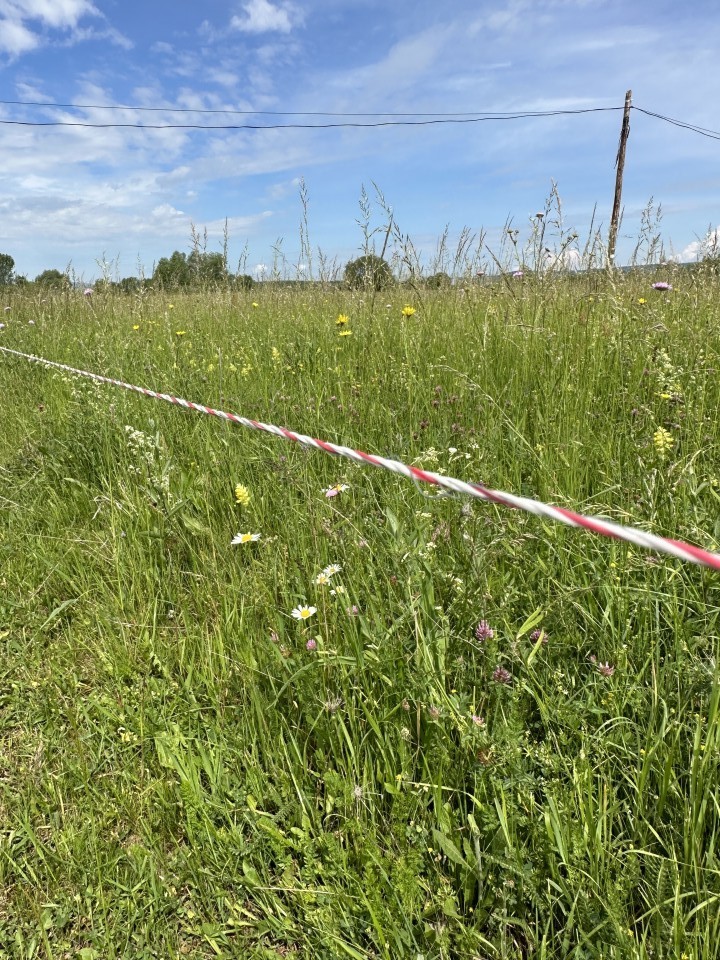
[
  {"x": 15, "y": 38},
  {"x": 261, "y": 16},
  {"x": 51, "y": 13},
  {"x": 26, "y": 25}
]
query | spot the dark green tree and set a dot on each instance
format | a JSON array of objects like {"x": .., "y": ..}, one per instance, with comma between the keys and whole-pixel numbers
[
  {"x": 207, "y": 269},
  {"x": 196, "y": 270},
  {"x": 438, "y": 281},
  {"x": 7, "y": 265},
  {"x": 52, "y": 278},
  {"x": 129, "y": 285},
  {"x": 368, "y": 272},
  {"x": 172, "y": 271}
]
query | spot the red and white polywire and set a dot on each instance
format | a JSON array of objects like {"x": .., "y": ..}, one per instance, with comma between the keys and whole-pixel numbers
[{"x": 649, "y": 541}]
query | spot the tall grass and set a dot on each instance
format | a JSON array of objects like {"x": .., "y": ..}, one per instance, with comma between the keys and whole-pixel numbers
[{"x": 187, "y": 770}]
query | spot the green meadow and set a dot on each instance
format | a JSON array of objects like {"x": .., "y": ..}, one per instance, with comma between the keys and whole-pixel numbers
[{"x": 384, "y": 723}]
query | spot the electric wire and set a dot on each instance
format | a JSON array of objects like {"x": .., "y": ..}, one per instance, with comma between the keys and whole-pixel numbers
[
  {"x": 295, "y": 113},
  {"x": 703, "y": 131},
  {"x": 303, "y": 126},
  {"x": 372, "y": 120}
]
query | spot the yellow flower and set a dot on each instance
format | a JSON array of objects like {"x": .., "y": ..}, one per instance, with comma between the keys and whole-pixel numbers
[
  {"x": 171, "y": 306},
  {"x": 136, "y": 326},
  {"x": 342, "y": 320},
  {"x": 179, "y": 333},
  {"x": 345, "y": 333},
  {"x": 242, "y": 495},
  {"x": 642, "y": 300},
  {"x": 408, "y": 311},
  {"x": 663, "y": 441},
  {"x": 256, "y": 304}
]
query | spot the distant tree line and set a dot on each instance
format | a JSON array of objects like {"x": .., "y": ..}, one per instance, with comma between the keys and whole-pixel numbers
[{"x": 202, "y": 270}]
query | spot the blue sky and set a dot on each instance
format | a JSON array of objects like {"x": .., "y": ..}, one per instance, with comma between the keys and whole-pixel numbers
[{"x": 131, "y": 196}]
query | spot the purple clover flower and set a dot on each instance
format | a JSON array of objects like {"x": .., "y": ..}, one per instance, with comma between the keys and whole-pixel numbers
[
  {"x": 483, "y": 631},
  {"x": 501, "y": 675},
  {"x": 662, "y": 285}
]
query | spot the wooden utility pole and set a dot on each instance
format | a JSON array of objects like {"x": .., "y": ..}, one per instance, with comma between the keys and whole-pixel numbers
[{"x": 619, "y": 167}]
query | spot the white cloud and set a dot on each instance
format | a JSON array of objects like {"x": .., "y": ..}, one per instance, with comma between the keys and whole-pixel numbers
[
  {"x": 708, "y": 245},
  {"x": 279, "y": 190},
  {"x": 416, "y": 59},
  {"x": 15, "y": 38},
  {"x": 52, "y": 13},
  {"x": 80, "y": 34},
  {"x": 222, "y": 77},
  {"x": 261, "y": 16}
]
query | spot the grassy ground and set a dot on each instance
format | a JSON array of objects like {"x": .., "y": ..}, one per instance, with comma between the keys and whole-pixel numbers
[{"x": 186, "y": 770}]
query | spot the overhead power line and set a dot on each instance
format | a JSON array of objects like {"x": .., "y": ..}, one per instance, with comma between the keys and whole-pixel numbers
[
  {"x": 373, "y": 120},
  {"x": 305, "y": 126},
  {"x": 295, "y": 113},
  {"x": 703, "y": 131}
]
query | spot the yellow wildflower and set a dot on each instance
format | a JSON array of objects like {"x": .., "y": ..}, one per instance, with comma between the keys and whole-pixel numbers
[
  {"x": 345, "y": 333},
  {"x": 663, "y": 440},
  {"x": 256, "y": 304},
  {"x": 342, "y": 320},
  {"x": 180, "y": 333},
  {"x": 408, "y": 311},
  {"x": 136, "y": 326},
  {"x": 642, "y": 300},
  {"x": 242, "y": 495}
]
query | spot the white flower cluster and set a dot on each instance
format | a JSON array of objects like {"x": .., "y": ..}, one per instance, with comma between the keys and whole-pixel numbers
[
  {"x": 142, "y": 447},
  {"x": 145, "y": 451}
]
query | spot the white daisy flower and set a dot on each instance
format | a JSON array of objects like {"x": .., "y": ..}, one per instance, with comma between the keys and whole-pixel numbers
[
  {"x": 303, "y": 612},
  {"x": 245, "y": 538},
  {"x": 332, "y": 569}
]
